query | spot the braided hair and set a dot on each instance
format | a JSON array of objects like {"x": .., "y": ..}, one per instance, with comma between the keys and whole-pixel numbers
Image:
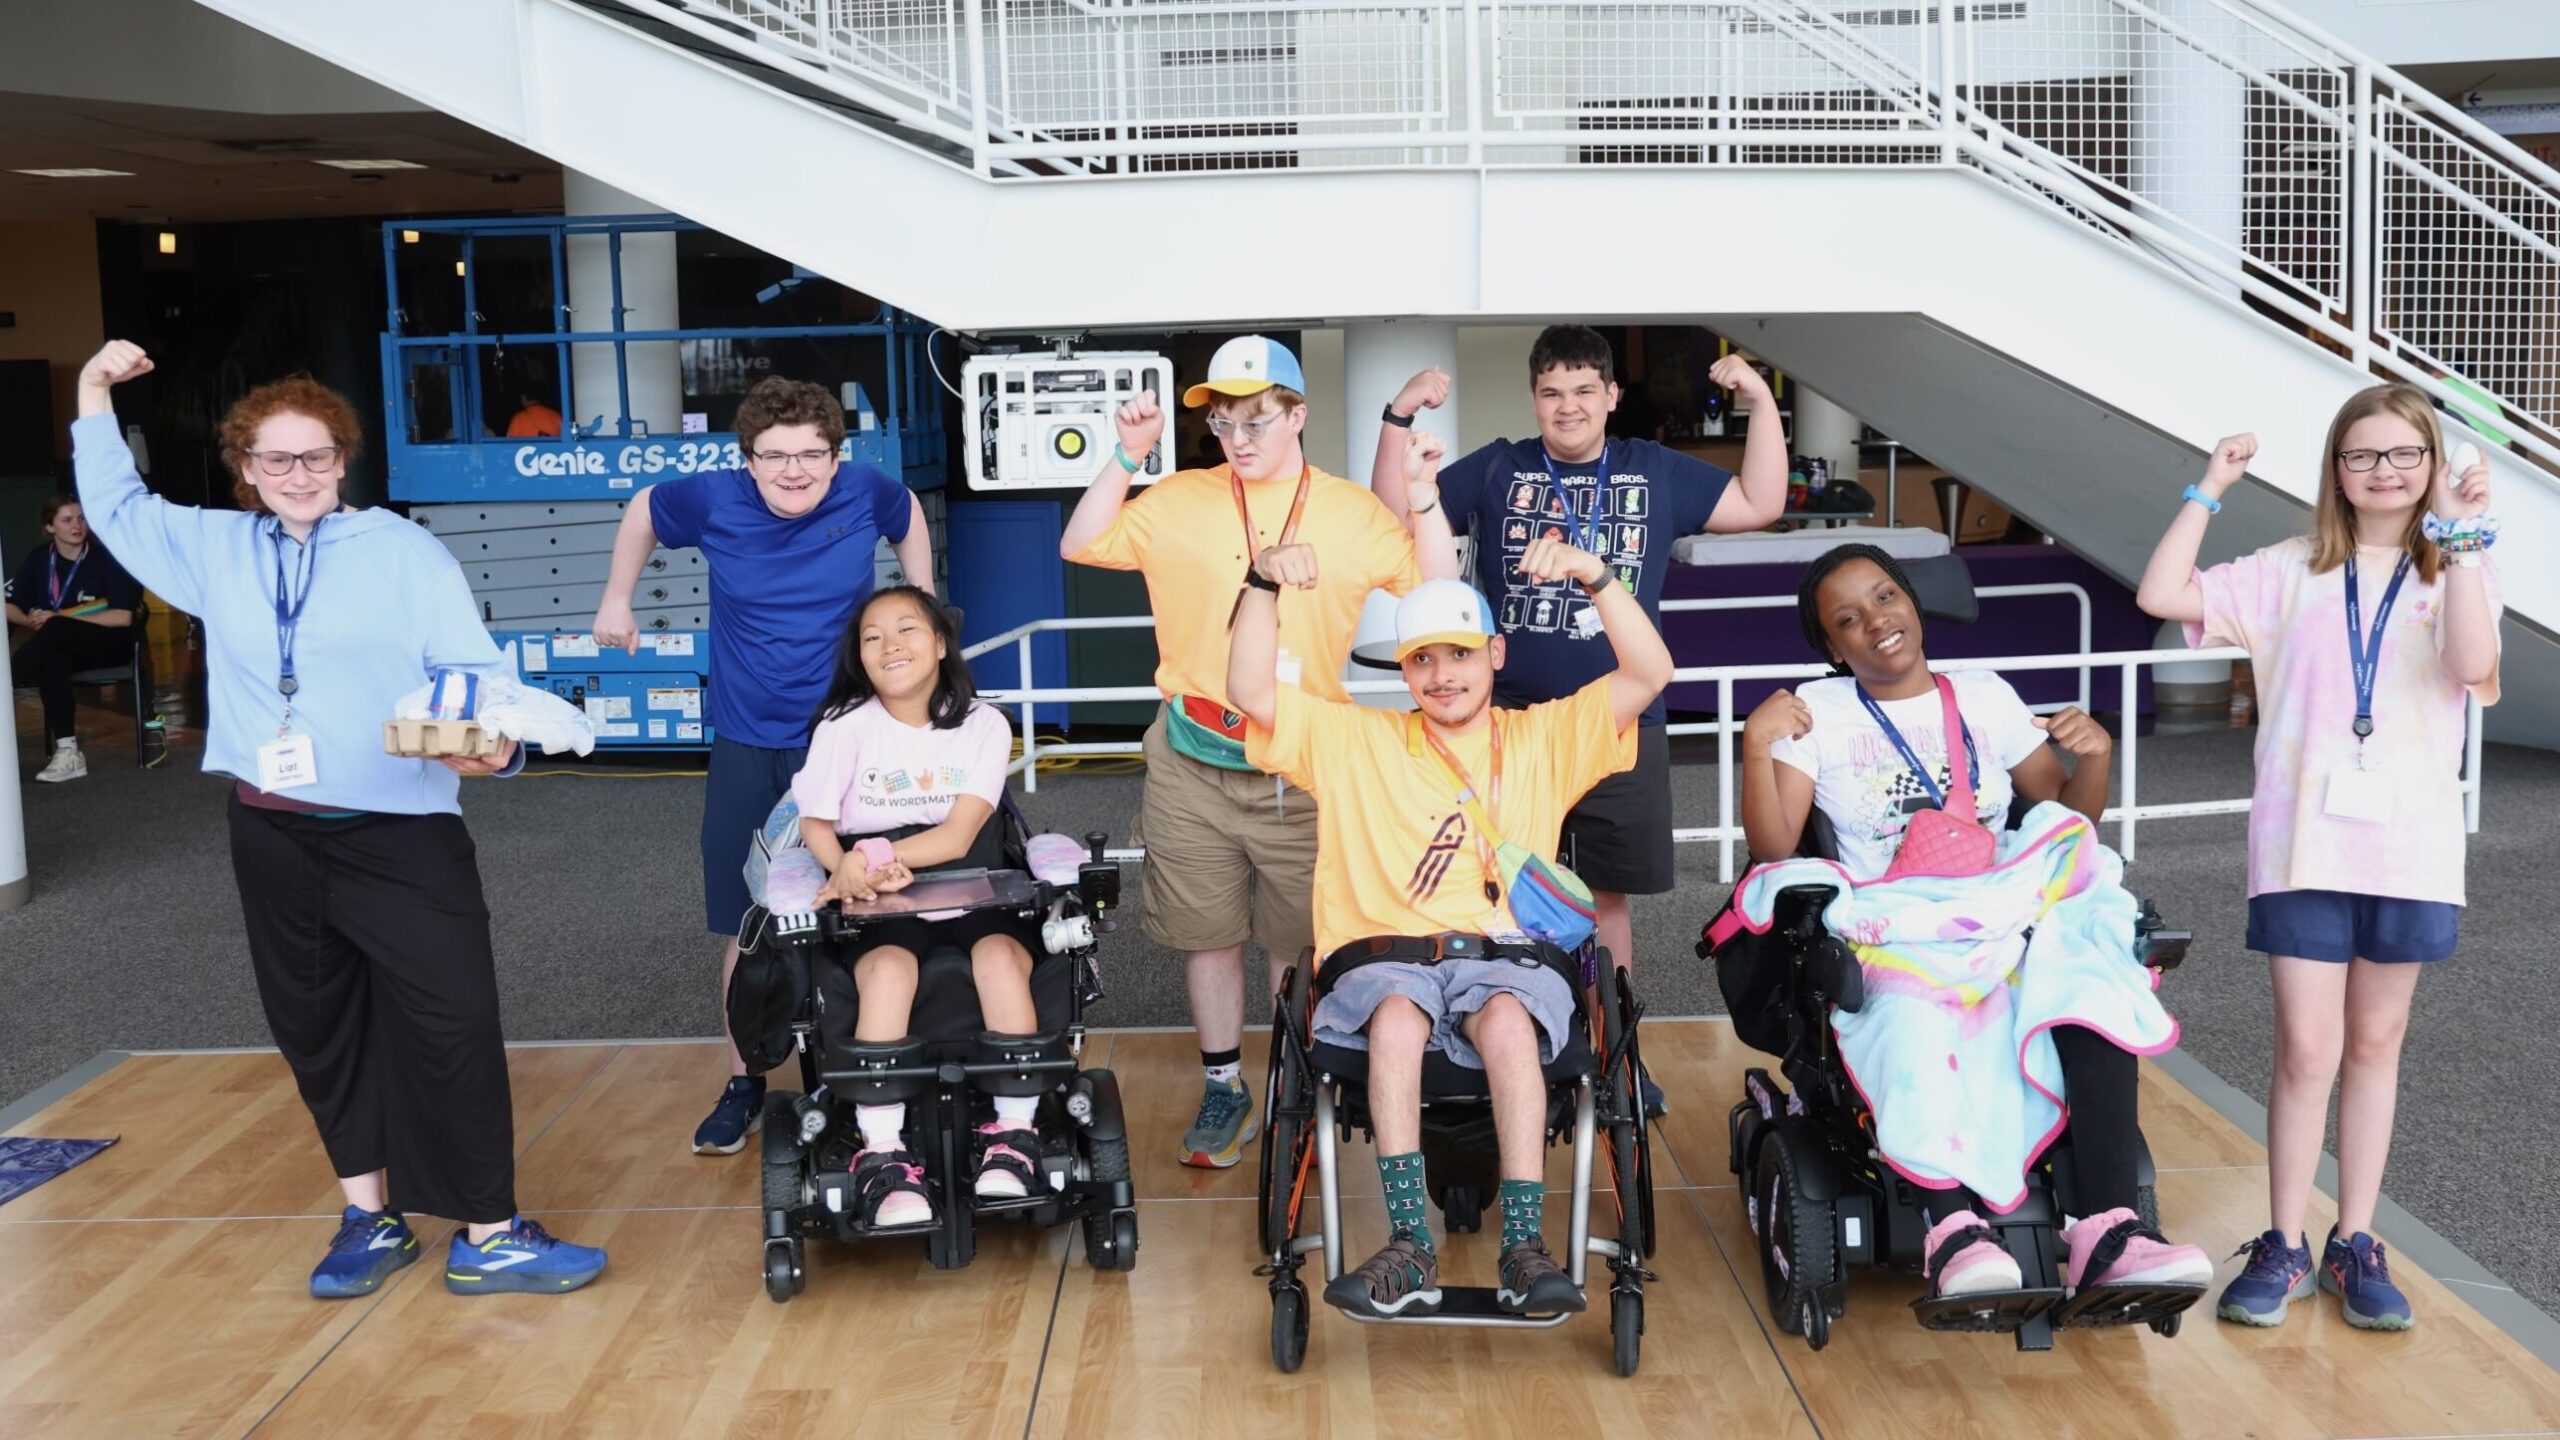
[{"x": 1809, "y": 612}]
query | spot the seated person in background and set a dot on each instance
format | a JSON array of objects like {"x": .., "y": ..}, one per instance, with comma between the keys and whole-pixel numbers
[
  {"x": 1869, "y": 746},
  {"x": 76, "y": 605},
  {"x": 536, "y": 420},
  {"x": 904, "y": 774},
  {"x": 1402, "y": 850}
]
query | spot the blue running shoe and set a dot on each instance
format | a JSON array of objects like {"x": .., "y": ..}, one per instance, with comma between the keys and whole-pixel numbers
[
  {"x": 371, "y": 1247},
  {"x": 2356, "y": 1271},
  {"x": 523, "y": 1257},
  {"x": 739, "y": 1114},
  {"x": 2277, "y": 1275}
]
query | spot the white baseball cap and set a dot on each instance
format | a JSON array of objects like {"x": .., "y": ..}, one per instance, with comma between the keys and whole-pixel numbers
[
  {"x": 1247, "y": 365},
  {"x": 1442, "y": 612}
]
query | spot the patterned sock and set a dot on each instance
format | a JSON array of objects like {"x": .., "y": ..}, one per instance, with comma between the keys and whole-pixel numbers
[
  {"x": 1408, "y": 1208},
  {"x": 1524, "y": 1208},
  {"x": 1223, "y": 1067}
]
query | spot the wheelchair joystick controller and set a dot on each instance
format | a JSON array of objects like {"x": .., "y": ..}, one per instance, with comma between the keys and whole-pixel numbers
[{"x": 1098, "y": 879}]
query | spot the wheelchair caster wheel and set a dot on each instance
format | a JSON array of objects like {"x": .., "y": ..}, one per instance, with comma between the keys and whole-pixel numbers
[
  {"x": 2166, "y": 1327},
  {"x": 782, "y": 1274},
  {"x": 1111, "y": 1241},
  {"x": 1288, "y": 1327},
  {"x": 1626, "y": 1329}
]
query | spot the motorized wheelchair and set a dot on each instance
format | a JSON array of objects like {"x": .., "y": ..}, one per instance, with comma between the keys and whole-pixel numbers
[
  {"x": 791, "y": 973},
  {"x": 1318, "y": 1096},
  {"x": 1819, "y": 1198}
]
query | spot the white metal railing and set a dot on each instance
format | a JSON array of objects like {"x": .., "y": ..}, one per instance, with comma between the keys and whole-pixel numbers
[
  {"x": 2224, "y": 139},
  {"x": 1726, "y": 833}
]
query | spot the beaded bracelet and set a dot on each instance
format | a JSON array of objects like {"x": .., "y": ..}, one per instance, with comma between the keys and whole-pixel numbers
[{"x": 2471, "y": 544}]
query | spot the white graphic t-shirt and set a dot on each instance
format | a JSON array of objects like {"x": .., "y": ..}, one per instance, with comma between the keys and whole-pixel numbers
[
  {"x": 1861, "y": 781},
  {"x": 867, "y": 772}
]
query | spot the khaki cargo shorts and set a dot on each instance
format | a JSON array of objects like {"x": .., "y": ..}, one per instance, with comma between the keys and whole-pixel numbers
[{"x": 1230, "y": 854}]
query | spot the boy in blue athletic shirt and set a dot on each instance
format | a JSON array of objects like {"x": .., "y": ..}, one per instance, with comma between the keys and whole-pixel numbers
[
  {"x": 789, "y": 542},
  {"x": 1626, "y": 501}
]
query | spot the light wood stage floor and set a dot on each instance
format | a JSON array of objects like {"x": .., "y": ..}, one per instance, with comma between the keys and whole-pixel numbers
[{"x": 160, "y": 1290}]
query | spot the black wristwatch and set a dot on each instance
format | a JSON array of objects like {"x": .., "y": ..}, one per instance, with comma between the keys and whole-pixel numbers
[
  {"x": 1260, "y": 581},
  {"x": 1401, "y": 422}
]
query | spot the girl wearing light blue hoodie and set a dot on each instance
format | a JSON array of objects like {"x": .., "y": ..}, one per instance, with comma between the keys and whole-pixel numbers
[{"x": 358, "y": 882}]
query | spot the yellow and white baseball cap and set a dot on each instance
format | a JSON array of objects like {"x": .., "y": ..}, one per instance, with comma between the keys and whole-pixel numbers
[
  {"x": 1442, "y": 612},
  {"x": 1247, "y": 365}
]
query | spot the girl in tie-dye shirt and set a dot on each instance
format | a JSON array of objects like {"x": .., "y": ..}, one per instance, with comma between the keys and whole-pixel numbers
[{"x": 2356, "y": 824}]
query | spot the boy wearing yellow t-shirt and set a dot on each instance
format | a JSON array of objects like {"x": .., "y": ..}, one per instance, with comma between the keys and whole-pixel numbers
[
  {"x": 1400, "y": 854},
  {"x": 1229, "y": 852}
]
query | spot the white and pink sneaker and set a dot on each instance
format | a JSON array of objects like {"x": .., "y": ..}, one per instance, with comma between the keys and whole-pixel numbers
[
  {"x": 2143, "y": 1257},
  {"x": 1973, "y": 1267}
]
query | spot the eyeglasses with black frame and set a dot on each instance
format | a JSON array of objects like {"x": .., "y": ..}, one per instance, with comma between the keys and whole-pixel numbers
[
  {"x": 811, "y": 461},
  {"x": 2402, "y": 457},
  {"x": 281, "y": 462}
]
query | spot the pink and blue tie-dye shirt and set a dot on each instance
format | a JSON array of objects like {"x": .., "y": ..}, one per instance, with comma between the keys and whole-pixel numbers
[{"x": 2293, "y": 624}]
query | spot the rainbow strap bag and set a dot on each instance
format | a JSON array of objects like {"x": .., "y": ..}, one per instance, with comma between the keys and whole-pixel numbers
[{"x": 1548, "y": 901}]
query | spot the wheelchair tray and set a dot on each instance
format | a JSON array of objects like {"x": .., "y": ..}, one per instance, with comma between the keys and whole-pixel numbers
[{"x": 950, "y": 890}]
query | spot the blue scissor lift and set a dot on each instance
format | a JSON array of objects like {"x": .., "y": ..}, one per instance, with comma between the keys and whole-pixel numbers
[{"x": 533, "y": 520}]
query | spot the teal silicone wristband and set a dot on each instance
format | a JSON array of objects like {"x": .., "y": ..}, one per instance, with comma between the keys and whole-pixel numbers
[
  {"x": 2211, "y": 505},
  {"x": 1132, "y": 466}
]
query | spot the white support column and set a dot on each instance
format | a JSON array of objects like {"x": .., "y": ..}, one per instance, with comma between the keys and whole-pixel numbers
[
  {"x": 648, "y": 303},
  {"x": 1377, "y": 358},
  {"x": 2190, "y": 129},
  {"x": 1824, "y": 429},
  {"x": 13, "y": 821}
]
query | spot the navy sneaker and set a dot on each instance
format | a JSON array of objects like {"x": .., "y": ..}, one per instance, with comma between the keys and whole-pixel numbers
[
  {"x": 2277, "y": 1275},
  {"x": 739, "y": 1114},
  {"x": 524, "y": 1258},
  {"x": 2355, "y": 1270},
  {"x": 371, "y": 1247}
]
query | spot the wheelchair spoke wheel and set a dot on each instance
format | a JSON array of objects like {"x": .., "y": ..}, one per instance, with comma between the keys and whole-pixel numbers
[
  {"x": 1796, "y": 1253},
  {"x": 1287, "y": 1138},
  {"x": 1288, "y": 1327}
]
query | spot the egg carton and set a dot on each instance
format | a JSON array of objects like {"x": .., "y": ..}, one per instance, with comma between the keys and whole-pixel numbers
[{"x": 434, "y": 739}]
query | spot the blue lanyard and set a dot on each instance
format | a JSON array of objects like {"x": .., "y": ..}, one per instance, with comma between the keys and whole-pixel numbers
[
  {"x": 1919, "y": 771},
  {"x": 1586, "y": 526},
  {"x": 60, "y": 583},
  {"x": 289, "y": 602},
  {"x": 2364, "y": 653}
]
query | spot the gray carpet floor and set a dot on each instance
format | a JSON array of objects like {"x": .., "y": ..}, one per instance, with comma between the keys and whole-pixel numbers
[{"x": 133, "y": 942}]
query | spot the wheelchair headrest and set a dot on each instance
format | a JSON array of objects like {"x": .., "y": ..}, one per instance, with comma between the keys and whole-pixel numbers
[{"x": 1943, "y": 588}]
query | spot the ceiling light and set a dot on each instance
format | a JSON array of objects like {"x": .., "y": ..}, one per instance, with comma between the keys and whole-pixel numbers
[
  {"x": 78, "y": 172},
  {"x": 168, "y": 242},
  {"x": 461, "y": 268},
  {"x": 369, "y": 164},
  {"x": 408, "y": 237}
]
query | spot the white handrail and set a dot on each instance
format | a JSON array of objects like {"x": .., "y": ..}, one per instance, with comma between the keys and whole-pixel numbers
[{"x": 2354, "y": 181}]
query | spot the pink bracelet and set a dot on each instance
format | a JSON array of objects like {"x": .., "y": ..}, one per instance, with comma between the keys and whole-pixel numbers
[{"x": 876, "y": 852}]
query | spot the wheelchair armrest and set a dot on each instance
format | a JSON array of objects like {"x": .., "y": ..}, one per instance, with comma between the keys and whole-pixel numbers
[
  {"x": 1835, "y": 974},
  {"x": 1799, "y": 909},
  {"x": 2158, "y": 946}
]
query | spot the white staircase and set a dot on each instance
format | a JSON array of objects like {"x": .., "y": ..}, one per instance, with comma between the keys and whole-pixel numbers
[{"x": 2057, "y": 245}]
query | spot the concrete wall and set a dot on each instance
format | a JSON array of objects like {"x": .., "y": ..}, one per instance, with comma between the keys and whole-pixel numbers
[
  {"x": 176, "y": 53},
  {"x": 2430, "y": 32}
]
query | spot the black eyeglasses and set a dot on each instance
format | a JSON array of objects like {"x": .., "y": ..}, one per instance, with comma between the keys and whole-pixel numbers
[
  {"x": 281, "y": 462},
  {"x": 2402, "y": 457},
  {"x": 810, "y": 460}
]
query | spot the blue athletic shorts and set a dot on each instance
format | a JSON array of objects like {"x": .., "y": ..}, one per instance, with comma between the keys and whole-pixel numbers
[
  {"x": 2335, "y": 926},
  {"x": 746, "y": 782},
  {"x": 1448, "y": 992}
]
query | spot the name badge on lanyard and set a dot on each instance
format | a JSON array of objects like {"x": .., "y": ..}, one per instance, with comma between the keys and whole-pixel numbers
[
  {"x": 2360, "y": 790},
  {"x": 287, "y": 762}
]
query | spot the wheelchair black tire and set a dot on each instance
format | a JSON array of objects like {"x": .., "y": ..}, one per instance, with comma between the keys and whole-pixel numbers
[
  {"x": 1626, "y": 1329},
  {"x": 785, "y": 1187},
  {"x": 1801, "y": 1227},
  {"x": 1288, "y": 1327},
  {"x": 1630, "y": 1144},
  {"x": 1287, "y": 1099},
  {"x": 1109, "y": 1160}
]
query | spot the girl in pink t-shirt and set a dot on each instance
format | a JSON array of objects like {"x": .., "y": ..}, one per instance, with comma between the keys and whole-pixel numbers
[
  {"x": 2366, "y": 637},
  {"x": 904, "y": 773}
]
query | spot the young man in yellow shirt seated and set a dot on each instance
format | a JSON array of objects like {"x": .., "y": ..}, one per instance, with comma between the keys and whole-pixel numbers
[{"x": 1401, "y": 854}]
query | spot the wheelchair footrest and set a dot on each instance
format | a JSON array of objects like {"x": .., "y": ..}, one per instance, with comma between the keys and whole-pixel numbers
[
  {"x": 2104, "y": 1305},
  {"x": 1990, "y": 1312},
  {"x": 1471, "y": 1303}
]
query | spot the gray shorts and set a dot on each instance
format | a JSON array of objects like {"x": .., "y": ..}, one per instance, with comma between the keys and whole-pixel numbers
[{"x": 1448, "y": 992}]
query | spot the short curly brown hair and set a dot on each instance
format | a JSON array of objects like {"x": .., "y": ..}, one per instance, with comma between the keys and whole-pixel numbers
[
  {"x": 776, "y": 401},
  {"x": 295, "y": 395}
]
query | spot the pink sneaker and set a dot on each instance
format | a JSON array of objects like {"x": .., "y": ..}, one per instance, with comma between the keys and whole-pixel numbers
[
  {"x": 2121, "y": 1250},
  {"x": 889, "y": 1186},
  {"x": 1009, "y": 1163},
  {"x": 1965, "y": 1258}
]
